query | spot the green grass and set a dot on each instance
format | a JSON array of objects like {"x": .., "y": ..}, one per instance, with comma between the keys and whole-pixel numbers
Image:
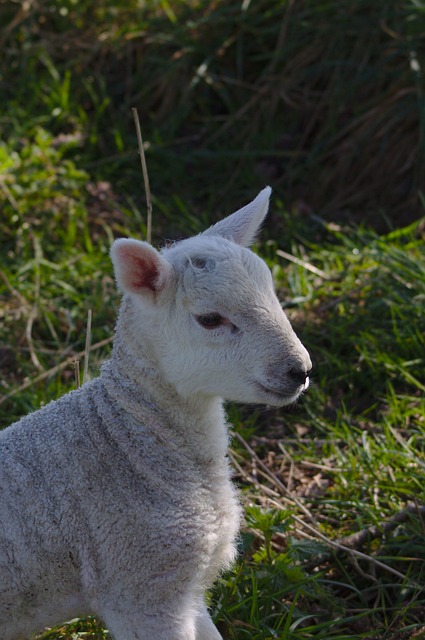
[{"x": 319, "y": 101}]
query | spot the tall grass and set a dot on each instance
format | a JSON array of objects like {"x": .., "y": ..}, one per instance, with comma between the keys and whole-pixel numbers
[{"x": 324, "y": 101}]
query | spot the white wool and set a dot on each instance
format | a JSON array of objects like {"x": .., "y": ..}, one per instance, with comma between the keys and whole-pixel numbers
[{"x": 116, "y": 500}]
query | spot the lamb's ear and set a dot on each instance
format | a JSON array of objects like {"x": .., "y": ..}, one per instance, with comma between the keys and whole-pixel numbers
[
  {"x": 243, "y": 225},
  {"x": 138, "y": 267}
]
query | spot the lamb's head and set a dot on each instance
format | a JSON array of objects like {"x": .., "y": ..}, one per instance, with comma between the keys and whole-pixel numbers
[{"x": 208, "y": 310}]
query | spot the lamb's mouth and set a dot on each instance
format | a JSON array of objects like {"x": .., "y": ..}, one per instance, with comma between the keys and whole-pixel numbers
[{"x": 280, "y": 397}]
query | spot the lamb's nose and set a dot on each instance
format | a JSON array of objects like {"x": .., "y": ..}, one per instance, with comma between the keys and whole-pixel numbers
[{"x": 300, "y": 375}]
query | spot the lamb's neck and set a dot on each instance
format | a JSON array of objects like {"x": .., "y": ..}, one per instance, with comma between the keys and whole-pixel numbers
[{"x": 135, "y": 383}]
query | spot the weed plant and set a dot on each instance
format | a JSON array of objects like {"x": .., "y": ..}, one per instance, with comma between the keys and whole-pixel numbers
[{"x": 324, "y": 101}]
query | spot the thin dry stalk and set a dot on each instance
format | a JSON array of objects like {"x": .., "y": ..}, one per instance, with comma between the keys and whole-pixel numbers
[
  {"x": 253, "y": 481},
  {"x": 8, "y": 193},
  {"x": 87, "y": 346},
  {"x": 28, "y": 336},
  {"x": 303, "y": 263},
  {"x": 22, "y": 14},
  {"x": 13, "y": 290},
  {"x": 274, "y": 479},
  {"x": 313, "y": 530},
  {"x": 339, "y": 546},
  {"x": 382, "y": 528},
  {"x": 76, "y": 366},
  {"x": 145, "y": 175},
  {"x": 54, "y": 370},
  {"x": 34, "y": 310}
]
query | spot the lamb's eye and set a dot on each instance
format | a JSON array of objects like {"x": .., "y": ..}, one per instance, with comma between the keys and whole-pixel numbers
[{"x": 210, "y": 320}]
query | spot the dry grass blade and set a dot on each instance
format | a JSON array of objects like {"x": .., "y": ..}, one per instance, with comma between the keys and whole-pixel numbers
[
  {"x": 145, "y": 174},
  {"x": 312, "y": 529},
  {"x": 303, "y": 263},
  {"x": 32, "y": 314},
  {"x": 345, "y": 549},
  {"x": 28, "y": 335},
  {"x": 8, "y": 193},
  {"x": 254, "y": 482},
  {"x": 23, "y": 302},
  {"x": 87, "y": 346},
  {"x": 51, "y": 372},
  {"x": 76, "y": 366},
  {"x": 379, "y": 530},
  {"x": 274, "y": 479}
]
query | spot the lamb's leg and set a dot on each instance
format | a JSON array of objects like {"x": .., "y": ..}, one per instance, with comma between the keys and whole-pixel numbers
[
  {"x": 205, "y": 628},
  {"x": 134, "y": 625}
]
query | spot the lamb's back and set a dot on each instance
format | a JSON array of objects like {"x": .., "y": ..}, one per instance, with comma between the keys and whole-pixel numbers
[{"x": 40, "y": 514}]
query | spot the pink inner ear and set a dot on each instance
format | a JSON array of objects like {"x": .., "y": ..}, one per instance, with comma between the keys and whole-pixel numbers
[{"x": 139, "y": 271}]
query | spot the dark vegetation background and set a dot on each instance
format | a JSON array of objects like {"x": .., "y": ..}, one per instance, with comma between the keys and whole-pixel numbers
[{"x": 324, "y": 101}]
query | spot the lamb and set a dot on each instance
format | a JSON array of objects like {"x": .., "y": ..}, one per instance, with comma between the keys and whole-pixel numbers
[{"x": 116, "y": 500}]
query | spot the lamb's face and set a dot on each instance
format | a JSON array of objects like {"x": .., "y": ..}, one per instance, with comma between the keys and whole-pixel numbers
[
  {"x": 208, "y": 309},
  {"x": 226, "y": 334}
]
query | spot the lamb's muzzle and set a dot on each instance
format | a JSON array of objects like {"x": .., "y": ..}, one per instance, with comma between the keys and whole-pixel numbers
[{"x": 116, "y": 500}]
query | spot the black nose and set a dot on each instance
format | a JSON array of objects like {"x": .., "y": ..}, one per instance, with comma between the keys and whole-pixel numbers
[{"x": 299, "y": 375}]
